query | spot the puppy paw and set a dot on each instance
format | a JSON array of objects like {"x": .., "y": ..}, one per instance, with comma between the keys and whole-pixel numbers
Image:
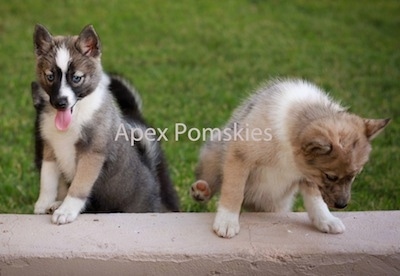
[
  {"x": 53, "y": 207},
  {"x": 62, "y": 218},
  {"x": 331, "y": 225},
  {"x": 200, "y": 191},
  {"x": 226, "y": 223},
  {"x": 68, "y": 211},
  {"x": 43, "y": 207}
]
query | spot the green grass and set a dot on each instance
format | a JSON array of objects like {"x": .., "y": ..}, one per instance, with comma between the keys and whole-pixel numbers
[{"x": 194, "y": 61}]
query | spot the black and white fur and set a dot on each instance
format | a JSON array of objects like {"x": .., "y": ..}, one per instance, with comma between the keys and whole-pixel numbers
[{"x": 100, "y": 173}]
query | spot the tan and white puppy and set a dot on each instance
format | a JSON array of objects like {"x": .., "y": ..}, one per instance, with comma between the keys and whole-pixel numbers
[{"x": 288, "y": 137}]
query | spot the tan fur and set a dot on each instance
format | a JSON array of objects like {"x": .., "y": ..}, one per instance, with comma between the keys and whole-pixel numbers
[
  {"x": 235, "y": 173},
  {"x": 316, "y": 147},
  {"x": 88, "y": 169},
  {"x": 48, "y": 153},
  {"x": 80, "y": 109},
  {"x": 348, "y": 151}
]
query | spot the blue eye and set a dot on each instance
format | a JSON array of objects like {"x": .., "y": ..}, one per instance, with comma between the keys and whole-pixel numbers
[
  {"x": 50, "y": 77},
  {"x": 76, "y": 79}
]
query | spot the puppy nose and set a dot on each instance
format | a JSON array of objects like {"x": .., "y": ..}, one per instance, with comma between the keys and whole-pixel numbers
[
  {"x": 340, "y": 204},
  {"x": 61, "y": 103}
]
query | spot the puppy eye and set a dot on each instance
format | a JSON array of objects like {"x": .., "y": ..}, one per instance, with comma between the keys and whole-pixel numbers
[
  {"x": 50, "y": 77},
  {"x": 331, "y": 177},
  {"x": 76, "y": 78}
]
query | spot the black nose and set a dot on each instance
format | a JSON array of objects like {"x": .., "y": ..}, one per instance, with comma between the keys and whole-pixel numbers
[
  {"x": 61, "y": 103},
  {"x": 340, "y": 205}
]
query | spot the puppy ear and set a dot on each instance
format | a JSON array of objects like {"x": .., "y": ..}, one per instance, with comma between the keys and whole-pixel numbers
[
  {"x": 42, "y": 40},
  {"x": 88, "y": 42},
  {"x": 374, "y": 126},
  {"x": 317, "y": 147}
]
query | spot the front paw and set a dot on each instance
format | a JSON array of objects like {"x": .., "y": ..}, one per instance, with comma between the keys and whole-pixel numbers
[
  {"x": 53, "y": 207},
  {"x": 331, "y": 225},
  {"x": 42, "y": 207},
  {"x": 226, "y": 223},
  {"x": 64, "y": 216},
  {"x": 45, "y": 207},
  {"x": 68, "y": 211}
]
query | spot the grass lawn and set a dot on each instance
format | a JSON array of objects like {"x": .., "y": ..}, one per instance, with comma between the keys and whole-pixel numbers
[{"x": 195, "y": 61}]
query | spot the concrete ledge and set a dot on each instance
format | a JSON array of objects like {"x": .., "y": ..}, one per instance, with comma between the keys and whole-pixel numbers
[{"x": 184, "y": 244}]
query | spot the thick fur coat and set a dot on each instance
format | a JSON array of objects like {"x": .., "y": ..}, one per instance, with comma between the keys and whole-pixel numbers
[
  {"x": 293, "y": 138},
  {"x": 80, "y": 111}
]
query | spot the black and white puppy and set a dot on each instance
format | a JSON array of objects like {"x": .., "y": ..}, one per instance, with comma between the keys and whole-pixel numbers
[{"x": 79, "y": 112}]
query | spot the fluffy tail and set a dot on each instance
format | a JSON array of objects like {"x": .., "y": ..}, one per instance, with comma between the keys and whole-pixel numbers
[
  {"x": 130, "y": 105},
  {"x": 128, "y": 99}
]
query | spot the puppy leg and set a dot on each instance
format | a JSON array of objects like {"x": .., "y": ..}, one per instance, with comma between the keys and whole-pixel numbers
[
  {"x": 62, "y": 189},
  {"x": 318, "y": 211},
  {"x": 88, "y": 169},
  {"x": 235, "y": 174},
  {"x": 208, "y": 174},
  {"x": 49, "y": 177},
  {"x": 62, "y": 193}
]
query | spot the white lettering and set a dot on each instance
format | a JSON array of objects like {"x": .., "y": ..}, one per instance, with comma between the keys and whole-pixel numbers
[
  {"x": 162, "y": 134},
  {"x": 197, "y": 133},
  {"x": 178, "y": 131},
  {"x": 121, "y": 128}
]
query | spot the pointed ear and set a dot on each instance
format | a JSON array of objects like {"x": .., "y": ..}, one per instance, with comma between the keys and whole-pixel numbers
[
  {"x": 88, "y": 42},
  {"x": 374, "y": 126},
  {"x": 317, "y": 147},
  {"x": 42, "y": 40}
]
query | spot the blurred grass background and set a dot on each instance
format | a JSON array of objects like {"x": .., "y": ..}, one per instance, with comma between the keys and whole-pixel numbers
[{"x": 195, "y": 61}]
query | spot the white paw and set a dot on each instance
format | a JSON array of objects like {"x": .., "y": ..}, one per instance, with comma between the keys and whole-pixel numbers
[
  {"x": 331, "y": 225},
  {"x": 226, "y": 223},
  {"x": 63, "y": 216},
  {"x": 68, "y": 211},
  {"x": 200, "y": 191},
  {"x": 43, "y": 207},
  {"x": 53, "y": 207}
]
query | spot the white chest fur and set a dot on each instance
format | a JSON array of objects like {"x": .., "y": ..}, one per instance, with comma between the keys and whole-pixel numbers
[{"x": 63, "y": 145}]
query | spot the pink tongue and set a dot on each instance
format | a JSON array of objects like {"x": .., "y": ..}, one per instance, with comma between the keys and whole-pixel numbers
[{"x": 63, "y": 119}]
